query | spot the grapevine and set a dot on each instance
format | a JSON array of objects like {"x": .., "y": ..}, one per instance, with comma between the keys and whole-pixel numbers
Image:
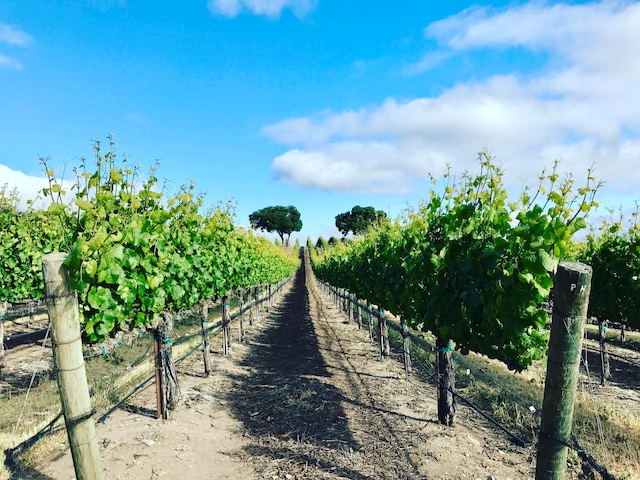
[
  {"x": 136, "y": 252},
  {"x": 613, "y": 251},
  {"x": 24, "y": 238},
  {"x": 467, "y": 264}
]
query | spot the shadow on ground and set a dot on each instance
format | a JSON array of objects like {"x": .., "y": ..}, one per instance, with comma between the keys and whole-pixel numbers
[{"x": 285, "y": 396}]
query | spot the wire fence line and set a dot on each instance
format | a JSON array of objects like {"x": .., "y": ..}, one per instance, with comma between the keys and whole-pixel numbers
[
  {"x": 421, "y": 343},
  {"x": 56, "y": 423}
]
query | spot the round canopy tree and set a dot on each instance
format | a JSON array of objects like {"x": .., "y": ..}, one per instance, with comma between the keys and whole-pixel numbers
[
  {"x": 358, "y": 219},
  {"x": 279, "y": 219}
]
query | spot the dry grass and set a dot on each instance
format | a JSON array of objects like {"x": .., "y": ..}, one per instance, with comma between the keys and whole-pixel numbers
[
  {"x": 110, "y": 378},
  {"x": 607, "y": 427},
  {"x": 610, "y": 432}
]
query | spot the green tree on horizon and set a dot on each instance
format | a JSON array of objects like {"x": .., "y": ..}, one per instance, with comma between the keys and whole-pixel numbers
[
  {"x": 358, "y": 219},
  {"x": 279, "y": 219}
]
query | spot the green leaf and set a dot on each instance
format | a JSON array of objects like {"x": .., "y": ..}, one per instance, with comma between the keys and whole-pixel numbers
[
  {"x": 548, "y": 261},
  {"x": 83, "y": 204},
  {"x": 56, "y": 209}
]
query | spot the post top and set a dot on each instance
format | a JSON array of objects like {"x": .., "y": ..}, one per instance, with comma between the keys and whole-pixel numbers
[
  {"x": 578, "y": 267},
  {"x": 55, "y": 257}
]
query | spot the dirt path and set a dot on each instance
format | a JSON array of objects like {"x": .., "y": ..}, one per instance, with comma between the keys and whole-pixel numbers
[{"x": 306, "y": 397}]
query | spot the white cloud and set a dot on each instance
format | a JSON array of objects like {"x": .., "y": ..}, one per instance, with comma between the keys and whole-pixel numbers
[
  {"x": 10, "y": 35},
  {"x": 429, "y": 61},
  {"x": 27, "y": 186},
  {"x": 580, "y": 107},
  {"x": 10, "y": 62},
  {"x": 228, "y": 8},
  {"x": 349, "y": 166},
  {"x": 268, "y": 8}
]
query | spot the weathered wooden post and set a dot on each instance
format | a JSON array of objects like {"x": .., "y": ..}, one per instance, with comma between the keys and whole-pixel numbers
[
  {"x": 170, "y": 385},
  {"x": 406, "y": 341},
  {"x": 241, "y": 316},
  {"x": 161, "y": 409},
  {"x": 571, "y": 290},
  {"x": 356, "y": 313},
  {"x": 205, "y": 338},
  {"x": 383, "y": 332},
  {"x": 585, "y": 351},
  {"x": 604, "y": 355},
  {"x": 4, "y": 307},
  {"x": 2, "y": 359},
  {"x": 256, "y": 292},
  {"x": 62, "y": 305},
  {"x": 370, "y": 321},
  {"x": 226, "y": 325},
  {"x": 31, "y": 310},
  {"x": 446, "y": 382}
]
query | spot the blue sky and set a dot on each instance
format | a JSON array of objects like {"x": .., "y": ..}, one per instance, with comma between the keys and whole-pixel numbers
[{"x": 323, "y": 104}]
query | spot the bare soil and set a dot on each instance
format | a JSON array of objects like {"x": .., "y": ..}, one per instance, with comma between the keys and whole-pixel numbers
[{"x": 306, "y": 397}]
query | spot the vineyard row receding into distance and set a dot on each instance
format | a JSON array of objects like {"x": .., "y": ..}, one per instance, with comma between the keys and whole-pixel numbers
[
  {"x": 467, "y": 266},
  {"x": 476, "y": 271},
  {"x": 115, "y": 388},
  {"x": 370, "y": 313},
  {"x": 134, "y": 255}
]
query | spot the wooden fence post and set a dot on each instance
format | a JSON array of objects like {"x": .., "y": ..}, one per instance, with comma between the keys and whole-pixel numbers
[
  {"x": 226, "y": 325},
  {"x": 604, "y": 356},
  {"x": 446, "y": 382},
  {"x": 4, "y": 307},
  {"x": 405, "y": 348},
  {"x": 161, "y": 409},
  {"x": 31, "y": 310},
  {"x": 170, "y": 385},
  {"x": 62, "y": 305},
  {"x": 571, "y": 290},
  {"x": 370, "y": 321},
  {"x": 345, "y": 299},
  {"x": 256, "y": 294},
  {"x": 383, "y": 332},
  {"x": 205, "y": 338},
  {"x": 241, "y": 316}
]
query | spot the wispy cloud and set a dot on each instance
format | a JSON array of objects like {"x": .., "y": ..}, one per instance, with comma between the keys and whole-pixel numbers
[
  {"x": 13, "y": 37},
  {"x": 268, "y": 8},
  {"x": 581, "y": 106},
  {"x": 9, "y": 62},
  {"x": 428, "y": 61},
  {"x": 10, "y": 35}
]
